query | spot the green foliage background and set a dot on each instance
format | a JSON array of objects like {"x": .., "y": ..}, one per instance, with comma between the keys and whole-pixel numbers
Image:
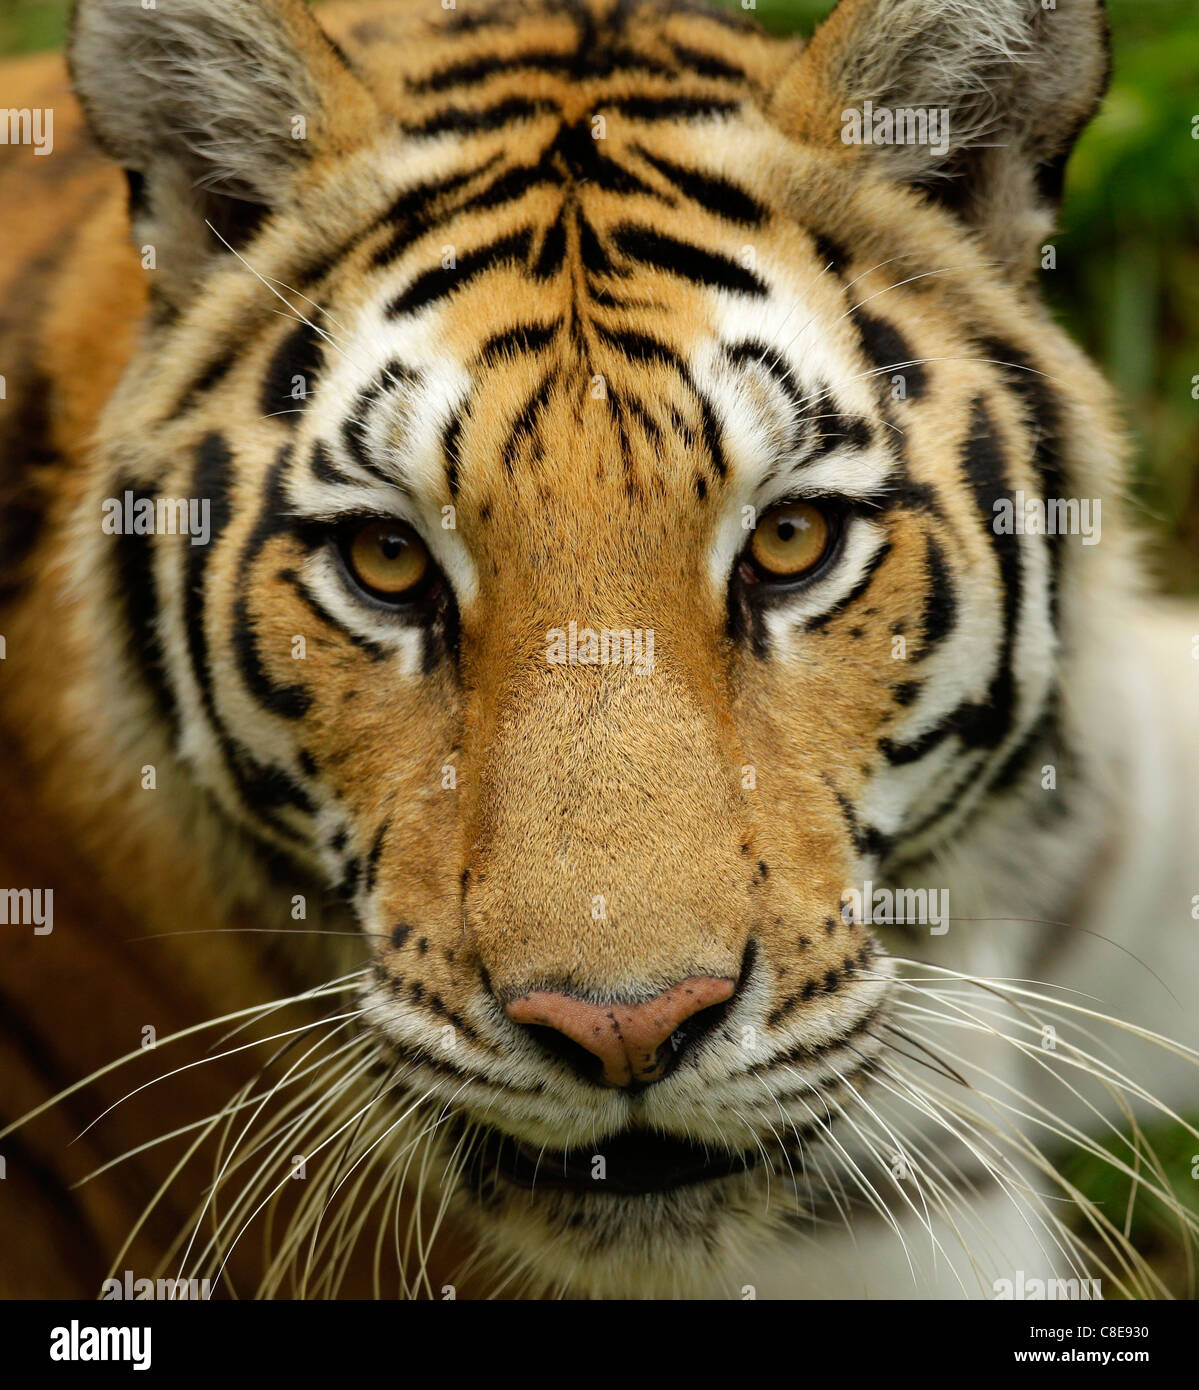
[{"x": 1127, "y": 285}]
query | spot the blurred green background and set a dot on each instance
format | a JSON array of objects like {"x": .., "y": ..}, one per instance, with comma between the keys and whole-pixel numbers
[
  {"x": 1127, "y": 277},
  {"x": 1127, "y": 285}
]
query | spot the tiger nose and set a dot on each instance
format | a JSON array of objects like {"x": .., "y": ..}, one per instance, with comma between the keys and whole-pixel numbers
[{"x": 623, "y": 1044}]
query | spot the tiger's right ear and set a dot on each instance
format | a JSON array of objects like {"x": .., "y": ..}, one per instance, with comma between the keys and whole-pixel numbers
[
  {"x": 217, "y": 110},
  {"x": 976, "y": 103}
]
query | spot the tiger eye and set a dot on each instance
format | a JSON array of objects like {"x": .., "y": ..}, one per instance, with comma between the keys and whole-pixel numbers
[
  {"x": 790, "y": 540},
  {"x": 388, "y": 558}
]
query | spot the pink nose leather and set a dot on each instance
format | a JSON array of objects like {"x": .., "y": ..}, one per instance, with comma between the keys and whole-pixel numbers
[{"x": 627, "y": 1038}]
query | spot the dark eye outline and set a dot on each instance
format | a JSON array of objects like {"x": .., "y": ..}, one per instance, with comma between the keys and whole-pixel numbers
[
  {"x": 755, "y": 576},
  {"x": 422, "y": 596}
]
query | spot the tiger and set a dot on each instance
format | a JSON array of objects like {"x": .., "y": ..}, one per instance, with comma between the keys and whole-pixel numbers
[{"x": 584, "y": 712}]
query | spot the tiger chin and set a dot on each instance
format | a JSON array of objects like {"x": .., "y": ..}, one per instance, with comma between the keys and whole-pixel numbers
[{"x": 386, "y": 383}]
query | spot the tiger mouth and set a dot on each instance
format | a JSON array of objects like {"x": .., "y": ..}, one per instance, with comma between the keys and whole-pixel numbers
[{"x": 635, "y": 1163}]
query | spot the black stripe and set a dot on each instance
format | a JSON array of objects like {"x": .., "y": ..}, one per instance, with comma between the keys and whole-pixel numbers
[
  {"x": 1043, "y": 417},
  {"x": 138, "y": 593},
  {"x": 985, "y": 724},
  {"x": 857, "y": 592},
  {"x": 576, "y": 147},
  {"x": 985, "y": 469},
  {"x": 137, "y": 200},
  {"x": 213, "y": 478},
  {"x": 751, "y": 352},
  {"x": 348, "y": 885},
  {"x": 419, "y": 209},
  {"x": 520, "y": 338},
  {"x": 837, "y": 430},
  {"x": 553, "y": 250},
  {"x": 587, "y": 61},
  {"x": 832, "y": 254},
  {"x": 473, "y": 122},
  {"x": 442, "y": 635},
  {"x": 299, "y": 354},
  {"x": 947, "y": 805},
  {"x": 525, "y": 424},
  {"x": 209, "y": 376},
  {"x": 373, "y": 649},
  {"x": 491, "y": 17},
  {"x": 940, "y": 597},
  {"x": 1044, "y": 733},
  {"x": 707, "y": 64},
  {"x": 475, "y": 70},
  {"x": 886, "y": 348},
  {"x": 512, "y": 184},
  {"x": 356, "y": 423},
  {"x": 26, "y": 449},
  {"x": 710, "y": 429},
  {"x": 591, "y": 248},
  {"x": 639, "y": 411},
  {"x": 376, "y": 849},
  {"x": 287, "y": 701},
  {"x": 321, "y": 465},
  {"x": 718, "y": 195},
  {"x": 450, "y": 441},
  {"x": 670, "y": 108},
  {"x": 682, "y": 258},
  {"x": 261, "y": 788},
  {"x": 435, "y": 283},
  {"x": 867, "y": 839},
  {"x": 901, "y": 754},
  {"x": 602, "y": 61},
  {"x": 640, "y": 347},
  {"x": 909, "y": 496}
]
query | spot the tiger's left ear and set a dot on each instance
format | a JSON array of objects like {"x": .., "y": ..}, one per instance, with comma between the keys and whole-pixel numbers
[{"x": 976, "y": 102}]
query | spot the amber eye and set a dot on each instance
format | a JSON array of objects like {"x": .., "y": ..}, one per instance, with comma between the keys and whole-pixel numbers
[
  {"x": 388, "y": 559},
  {"x": 790, "y": 541}
]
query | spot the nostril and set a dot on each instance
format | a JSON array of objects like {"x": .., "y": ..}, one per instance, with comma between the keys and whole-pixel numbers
[
  {"x": 697, "y": 1027},
  {"x": 558, "y": 1045}
]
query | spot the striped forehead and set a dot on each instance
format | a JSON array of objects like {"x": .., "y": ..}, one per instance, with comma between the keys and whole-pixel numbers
[{"x": 773, "y": 381}]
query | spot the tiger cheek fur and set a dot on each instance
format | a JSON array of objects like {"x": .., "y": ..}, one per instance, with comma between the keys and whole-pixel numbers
[{"x": 566, "y": 302}]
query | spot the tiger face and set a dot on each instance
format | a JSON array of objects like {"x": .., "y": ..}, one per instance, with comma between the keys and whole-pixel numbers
[{"x": 601, "y": 456}]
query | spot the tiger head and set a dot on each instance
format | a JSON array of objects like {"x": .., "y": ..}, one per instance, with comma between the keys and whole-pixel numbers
[{"x": 601, "y": 414}]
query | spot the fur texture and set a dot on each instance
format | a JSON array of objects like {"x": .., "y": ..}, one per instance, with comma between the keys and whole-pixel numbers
[{"x": 579, "y": 292}]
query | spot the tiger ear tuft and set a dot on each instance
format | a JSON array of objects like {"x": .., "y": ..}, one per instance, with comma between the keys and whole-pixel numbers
[
  {"x": 994, "y": 92},
  {"x": 213, "y": 107}
]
